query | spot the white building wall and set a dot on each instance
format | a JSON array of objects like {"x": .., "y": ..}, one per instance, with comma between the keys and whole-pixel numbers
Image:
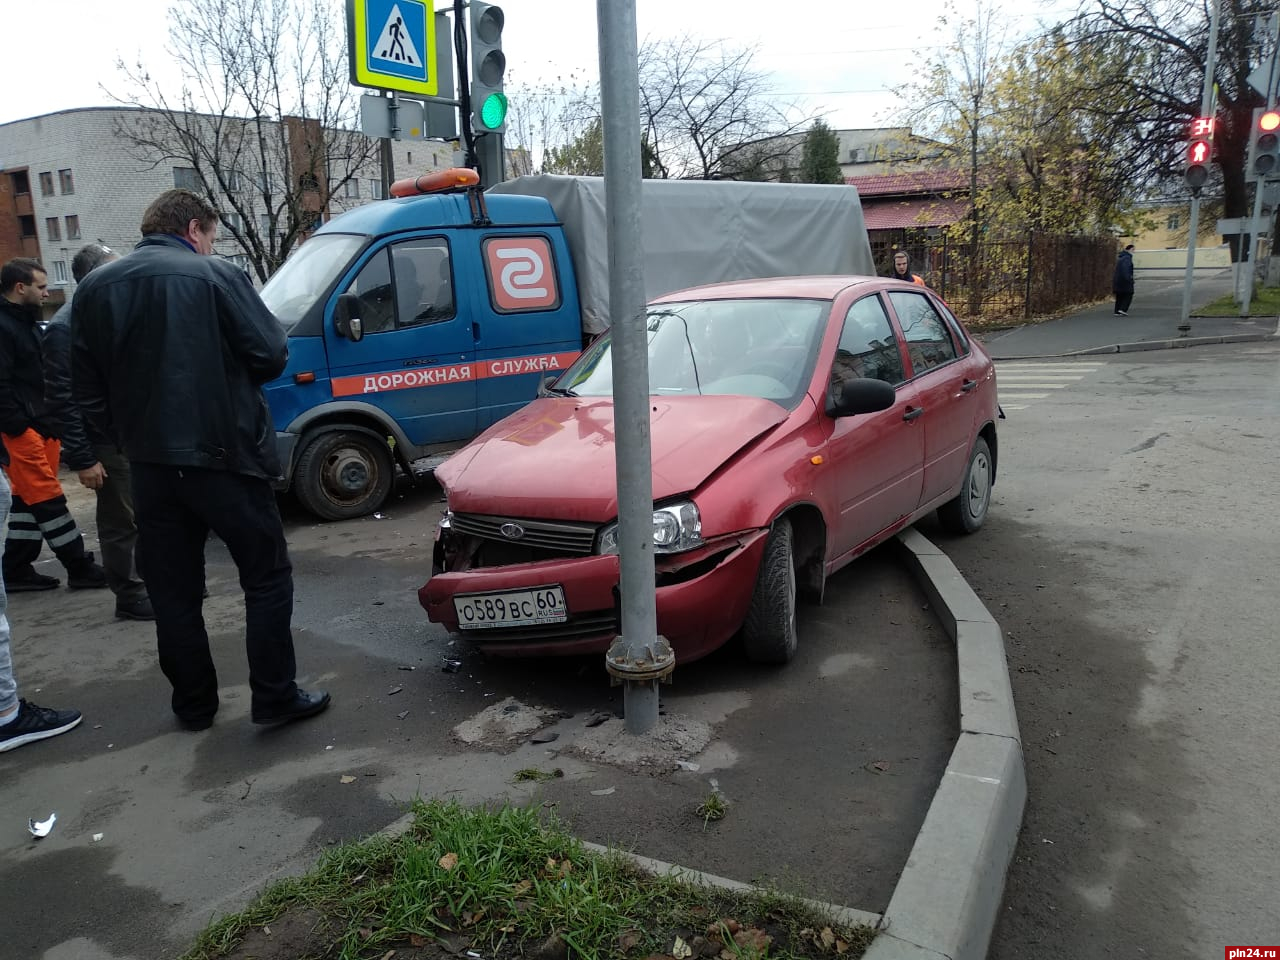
[{"x": 111, "y": 188}]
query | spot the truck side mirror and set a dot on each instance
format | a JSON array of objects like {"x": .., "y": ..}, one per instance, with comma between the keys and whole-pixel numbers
[{"x": 346, "y": 319}]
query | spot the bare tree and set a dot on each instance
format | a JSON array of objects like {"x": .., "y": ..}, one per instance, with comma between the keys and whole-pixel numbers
[{"x": 264, "y": 121}]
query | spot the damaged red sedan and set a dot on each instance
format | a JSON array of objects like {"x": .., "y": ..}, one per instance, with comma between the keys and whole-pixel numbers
[{"x": 796, "y": 423}]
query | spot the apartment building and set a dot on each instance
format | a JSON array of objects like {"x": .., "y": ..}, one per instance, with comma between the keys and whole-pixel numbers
[{"x": 68, "y": 178}]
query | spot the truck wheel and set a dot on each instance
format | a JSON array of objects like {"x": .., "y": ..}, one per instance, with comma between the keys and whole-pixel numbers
[
  {"x": 965, "y": 513},
  {"x": 341, "y": 475},
  {"x": 769, "y": 632}
]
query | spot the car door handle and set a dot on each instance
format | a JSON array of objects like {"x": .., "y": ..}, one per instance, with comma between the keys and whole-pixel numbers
[
  {"x": 912, "y": 413},
  {"x": 968, "y": 385},
  {"x": 475, "y": 331}
]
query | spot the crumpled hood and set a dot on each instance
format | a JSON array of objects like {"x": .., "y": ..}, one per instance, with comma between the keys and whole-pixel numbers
[{"x": 554, "y": 459}]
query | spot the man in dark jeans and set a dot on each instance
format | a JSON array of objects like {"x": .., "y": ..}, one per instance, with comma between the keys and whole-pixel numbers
[
  {"x": 97, "y": 460},
  {"x": 170, "y": 348}
]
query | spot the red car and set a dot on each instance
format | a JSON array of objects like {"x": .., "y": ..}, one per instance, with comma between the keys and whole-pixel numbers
[{"x": 796, "y": 423}]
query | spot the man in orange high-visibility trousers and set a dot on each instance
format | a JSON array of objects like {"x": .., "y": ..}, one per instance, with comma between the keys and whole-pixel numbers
[{"x": 31, "y": 448}]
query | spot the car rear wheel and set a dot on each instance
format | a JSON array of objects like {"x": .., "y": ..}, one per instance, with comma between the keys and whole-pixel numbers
[
  {"x": 968, "y": 510},
  {"x": 769, "y": 633},
  {"x": 342, "y": 475}
]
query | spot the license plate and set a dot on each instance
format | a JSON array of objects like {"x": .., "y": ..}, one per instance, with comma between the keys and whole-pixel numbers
[{"x": 511, "y": 608}]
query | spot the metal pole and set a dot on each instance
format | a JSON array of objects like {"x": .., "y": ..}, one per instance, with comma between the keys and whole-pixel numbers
[
  {"x": 1258, "y": 188},
  {"x": 388, "y": 156},
  {"x": 639, "y": 658},
  {"x": 1206, "y": 99}
]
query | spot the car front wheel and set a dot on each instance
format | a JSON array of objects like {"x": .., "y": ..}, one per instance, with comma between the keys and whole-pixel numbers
[
  {"x": 769, "y": 633},
  {"x": 968, "y": 510}
]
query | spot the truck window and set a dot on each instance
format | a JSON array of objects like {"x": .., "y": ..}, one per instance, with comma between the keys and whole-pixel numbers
[
  {"x": 305, "y": 276},
  {"x": 404, "y": 285}
]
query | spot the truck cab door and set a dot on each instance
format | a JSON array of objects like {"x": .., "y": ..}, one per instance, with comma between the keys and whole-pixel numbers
[
  {"x": 415, "y": 359},
  {"x": 527, "y": 321}
]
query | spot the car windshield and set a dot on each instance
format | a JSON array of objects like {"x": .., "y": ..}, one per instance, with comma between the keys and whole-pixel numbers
[
  {"x": 305, "y": 276},
  {"x": 754, "y": 348}
]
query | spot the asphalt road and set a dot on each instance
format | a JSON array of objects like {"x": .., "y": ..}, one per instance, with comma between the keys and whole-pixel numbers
[
  {"x": 856, "y": 731},
  {"x": 1131, "y": 556}
]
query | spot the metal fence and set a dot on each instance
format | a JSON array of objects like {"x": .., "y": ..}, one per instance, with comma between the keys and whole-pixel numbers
[{"x": 1006, "y": 280}]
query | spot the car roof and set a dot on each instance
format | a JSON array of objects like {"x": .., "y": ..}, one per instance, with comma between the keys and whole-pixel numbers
[{"x": 817, "y": 288}]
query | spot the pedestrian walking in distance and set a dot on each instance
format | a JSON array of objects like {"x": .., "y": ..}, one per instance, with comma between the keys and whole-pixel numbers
[
  {"x": 1122, "y": 283},
  {"x": 170, "y": 347},
  {"x": 30, "y": 439},
  {"x": 902, "y": 269}
]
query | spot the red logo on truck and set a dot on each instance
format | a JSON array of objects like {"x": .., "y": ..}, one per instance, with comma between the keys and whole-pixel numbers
[{"x": 522, "y": 274}]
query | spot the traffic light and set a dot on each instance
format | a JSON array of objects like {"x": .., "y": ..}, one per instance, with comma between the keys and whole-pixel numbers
[
  {"x": 1265, "y": 144},
  {"x": 1199, "y": 153},
  {"x": 488, "y": 67}
]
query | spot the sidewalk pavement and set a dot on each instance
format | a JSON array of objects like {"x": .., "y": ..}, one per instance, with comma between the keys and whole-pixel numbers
[{"x": 1152, "y": 323}]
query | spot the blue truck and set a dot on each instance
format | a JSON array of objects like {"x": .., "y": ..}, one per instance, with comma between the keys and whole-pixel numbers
[{"x": 416, "y": 322}]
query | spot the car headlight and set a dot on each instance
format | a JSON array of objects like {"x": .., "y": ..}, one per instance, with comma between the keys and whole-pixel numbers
[{"x": 676, "y": 527}]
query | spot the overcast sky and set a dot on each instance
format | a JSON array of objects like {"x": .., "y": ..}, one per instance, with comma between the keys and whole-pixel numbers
[{"x": 841, "y": 58}]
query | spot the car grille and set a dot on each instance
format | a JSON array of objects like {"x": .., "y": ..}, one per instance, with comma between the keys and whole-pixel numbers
[
  {"x": 560, "y": 539},
  {"x": 578, "y": 627}
]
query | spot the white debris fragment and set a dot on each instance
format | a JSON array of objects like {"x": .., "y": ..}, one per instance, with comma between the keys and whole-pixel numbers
[{"x": 42, "y": 828}]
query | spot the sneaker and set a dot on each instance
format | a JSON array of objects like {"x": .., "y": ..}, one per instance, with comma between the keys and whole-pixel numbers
[
  {"x": 29, "y": 580},
  {"x": 35, "y": 723},
  {"x": 1122, "y": 313},
  {"x": 139, "y": 609},
  {"x": 86, "y": 575}
]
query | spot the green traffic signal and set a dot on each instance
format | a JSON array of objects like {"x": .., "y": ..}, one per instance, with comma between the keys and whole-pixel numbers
[{"x": 493, "y": 112}]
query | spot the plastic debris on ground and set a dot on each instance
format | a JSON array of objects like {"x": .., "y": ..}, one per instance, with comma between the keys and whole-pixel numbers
[{"x": 41, "y": 828}]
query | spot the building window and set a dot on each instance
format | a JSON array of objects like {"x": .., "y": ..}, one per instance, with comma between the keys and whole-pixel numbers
[
  {"x": 184, "y": 178},
  {"x": 375, "y": 189},
  {"x": 21, "y": 185},
  {"x": 351, "y": 189},
  {"x": 73, "y": 228},
  {"x": 27, "y": 224},
  {"x": 233, "y": 181},
  {"x": 1175, "y": 221},
  {"x": 46, "y": 184},
  {"x": 234, "y": 221},
  {"x": 264, "y": 226},
  {"x": 53, "y": 228},
  {"x": 60, "y": 272},
  {"x": 65, "y": 183}
]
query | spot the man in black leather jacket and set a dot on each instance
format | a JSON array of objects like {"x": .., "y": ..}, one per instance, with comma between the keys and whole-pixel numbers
[
  {"x": 97, "y": 460},
  {"x": 30, "y": 444},
  {"x": 170, "y": 349}
]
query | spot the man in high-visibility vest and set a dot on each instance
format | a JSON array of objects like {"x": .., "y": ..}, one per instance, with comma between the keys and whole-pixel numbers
[{"x": 902, "y": 271}]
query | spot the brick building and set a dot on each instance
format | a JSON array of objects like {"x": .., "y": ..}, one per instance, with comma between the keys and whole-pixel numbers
[{"x": 69, "y": 178}]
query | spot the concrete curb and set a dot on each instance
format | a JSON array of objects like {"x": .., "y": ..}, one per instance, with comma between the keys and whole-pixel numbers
[
  {"x": 948, "y": 897},
  {"x": 1138, "y": 346}
]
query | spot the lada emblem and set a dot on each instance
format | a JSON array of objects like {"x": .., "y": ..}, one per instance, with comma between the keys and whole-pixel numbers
[{"x": 512, "y": 531}]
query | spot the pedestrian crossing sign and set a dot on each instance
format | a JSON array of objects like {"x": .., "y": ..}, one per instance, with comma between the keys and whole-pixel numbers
[{"x": 392, "y": 45}]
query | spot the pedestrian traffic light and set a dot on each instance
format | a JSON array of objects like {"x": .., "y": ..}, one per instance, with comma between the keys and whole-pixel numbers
[
  {"x": 1265, "y": 144},
  {"x": 488, "y": 67},
  {"x": 1199, "y": 153}
]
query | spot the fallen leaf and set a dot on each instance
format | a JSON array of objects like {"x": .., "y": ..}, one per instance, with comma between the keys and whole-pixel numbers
[
  {"x": 388, "y": 955},
  {"x": 346, "y": 779},
  {"x": 522, "y": 887},
  {"x": 470, "y": 919},
  {"x": 628, "y": 940},
  {"x": 448, "y": 861},
  {"x": 551, "y": 865},
  {"x": 565, "y": 868},
  {"x": 364, "y": 933},
  {"x": 753, "y": 939},
  {"x": 681, "y": 950},
  {"x": 828, "y": 938},
  {"x": 417, "y": 940},
  {"x": 841, "y": 947}
]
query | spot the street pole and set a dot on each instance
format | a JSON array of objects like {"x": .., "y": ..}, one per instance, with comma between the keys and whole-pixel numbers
[
  {"x": 1246, "y": 298},
  {"x": 1206, "y": 100},
  {"x": 639, "y": 658},
  {"x": 388, "y": 156}
]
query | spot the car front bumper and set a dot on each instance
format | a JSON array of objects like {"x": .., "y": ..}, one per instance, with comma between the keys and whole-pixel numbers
[{"x": 702, "y": 598}]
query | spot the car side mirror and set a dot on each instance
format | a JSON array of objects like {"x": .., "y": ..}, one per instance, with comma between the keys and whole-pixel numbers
[
  {"x": 346, "y": 319},
  {"x": 848, "y": 398}
]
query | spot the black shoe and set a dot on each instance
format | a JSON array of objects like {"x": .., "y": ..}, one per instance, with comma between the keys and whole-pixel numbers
[
  {"x": 35, "y": 723},
  {"x": 194, "y": 723},
  {"x": 87, "y": 574},
  {"x": 21, "y": 582},
  {"x": 304, "y": 704},
  {"x": 139, "y": 609}
]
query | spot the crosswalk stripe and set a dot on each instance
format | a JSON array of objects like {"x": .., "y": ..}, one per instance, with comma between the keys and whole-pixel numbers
[
  {"x": 1065, "y": 367},
  {"x": 1023, "y": 396}
]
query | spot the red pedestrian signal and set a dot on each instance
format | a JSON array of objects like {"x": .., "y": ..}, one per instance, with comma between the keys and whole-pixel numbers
[{"x": 1198, "y": 151}]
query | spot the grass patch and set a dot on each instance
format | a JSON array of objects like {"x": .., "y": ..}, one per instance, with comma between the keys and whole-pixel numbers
[
  {"x": 1265, "y": 303},
  {"x": 509, "y": 886},
  {"x": 534, "y": 775}
]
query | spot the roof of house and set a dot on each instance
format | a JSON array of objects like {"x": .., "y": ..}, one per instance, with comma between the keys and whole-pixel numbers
[
  {"x": 909, "y": 184},
  {"x": 919, "y": 212}
]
